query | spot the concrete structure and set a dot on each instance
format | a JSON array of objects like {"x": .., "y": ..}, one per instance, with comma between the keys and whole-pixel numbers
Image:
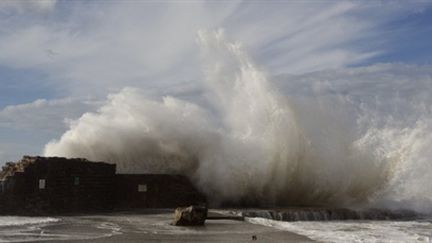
[{"x": 40, "y": 185}]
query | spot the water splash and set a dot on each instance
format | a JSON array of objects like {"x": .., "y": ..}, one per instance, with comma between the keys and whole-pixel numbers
[{"x": 250, "y": 144}]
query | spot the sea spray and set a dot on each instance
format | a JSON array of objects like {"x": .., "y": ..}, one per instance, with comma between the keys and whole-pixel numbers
[{"x": 251, "y": 143}]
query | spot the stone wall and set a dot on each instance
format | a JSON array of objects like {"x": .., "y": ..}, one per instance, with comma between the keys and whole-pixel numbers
[
  {"x": 40, "y": 185},
  {"x": 57, "y": 185},
  {"x": 156, "y": 191}
]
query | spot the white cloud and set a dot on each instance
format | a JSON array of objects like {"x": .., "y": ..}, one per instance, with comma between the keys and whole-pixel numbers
[
  {"x": 26, "y": 127},
  {"x": 44, "y": 115},
  {"x": 41, "y": 6},
  {"x": 12, "y": 151},
  {"x": 97, "y": 48}
]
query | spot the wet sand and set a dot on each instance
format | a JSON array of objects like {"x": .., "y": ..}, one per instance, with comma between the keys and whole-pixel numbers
[{"x": 155, "y": 227}]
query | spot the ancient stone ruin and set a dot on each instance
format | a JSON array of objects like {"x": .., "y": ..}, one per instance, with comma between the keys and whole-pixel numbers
[{"x": 41, "y": 185}]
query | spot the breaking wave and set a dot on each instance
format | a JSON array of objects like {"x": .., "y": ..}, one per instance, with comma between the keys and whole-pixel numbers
[
  {"x": 349, "y": 231},
  {"x": 252, "y": 142},
  {"x": 18, "y": 220}
]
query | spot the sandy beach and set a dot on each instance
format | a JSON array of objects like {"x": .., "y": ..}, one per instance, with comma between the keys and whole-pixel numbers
[{"x": 149, "y": 226}]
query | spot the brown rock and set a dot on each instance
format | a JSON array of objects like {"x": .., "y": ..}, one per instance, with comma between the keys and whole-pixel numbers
[{"x": 190, "y": 216}]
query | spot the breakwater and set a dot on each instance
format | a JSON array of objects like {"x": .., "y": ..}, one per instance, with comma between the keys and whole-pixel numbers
[{"x": 327, "y": 214}]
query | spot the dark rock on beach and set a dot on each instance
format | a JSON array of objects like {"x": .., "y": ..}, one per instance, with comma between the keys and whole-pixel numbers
[{"x": 190, "y": 216}]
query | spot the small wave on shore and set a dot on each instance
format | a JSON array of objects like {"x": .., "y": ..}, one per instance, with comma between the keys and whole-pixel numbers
[
  {"x": 355, "y": 231},
  {"x": 18, "y": 220},
  {"x": 36, "y": 229}
]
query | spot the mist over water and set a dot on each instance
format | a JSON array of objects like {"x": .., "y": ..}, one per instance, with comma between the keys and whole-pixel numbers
[{"x": 255, "y": 142}]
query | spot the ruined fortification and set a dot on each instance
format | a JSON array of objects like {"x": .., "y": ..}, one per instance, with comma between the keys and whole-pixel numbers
[{"x": 47, "y": 185}]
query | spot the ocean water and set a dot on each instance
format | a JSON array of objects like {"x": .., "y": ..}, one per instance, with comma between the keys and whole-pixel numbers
[
  {"x": 355, "y": 231},
  {"x": 18, "y": 220},
  {"x": 16, "y": 228},
  {"x": 32, "y": 229},
  {"x": 153, "y": 225}
]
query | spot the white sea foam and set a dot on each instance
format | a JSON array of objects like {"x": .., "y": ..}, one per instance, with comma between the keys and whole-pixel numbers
[
  {"x": 31, "y": 229},
  {"x": 355, "y": 231},
  {"x": 18, "y": 220},
  {"x": 250, "y": 140}
]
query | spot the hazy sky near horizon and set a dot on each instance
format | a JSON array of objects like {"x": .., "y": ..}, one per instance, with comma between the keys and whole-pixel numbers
[{"x": 60, "y": 59}]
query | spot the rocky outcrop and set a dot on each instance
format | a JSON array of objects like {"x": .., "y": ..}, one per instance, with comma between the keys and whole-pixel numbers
[{"x": 190, "y": 216}]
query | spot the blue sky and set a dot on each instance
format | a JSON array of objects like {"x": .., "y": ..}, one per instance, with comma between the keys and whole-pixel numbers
[
  {"x": 408, "y": 39},
  {"x": 60, "y": 59}
]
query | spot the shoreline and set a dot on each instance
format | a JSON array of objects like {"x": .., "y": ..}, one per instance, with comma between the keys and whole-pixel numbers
[
  {"x": 148, "y": 226},
  {"x": 224, "y": 225}
]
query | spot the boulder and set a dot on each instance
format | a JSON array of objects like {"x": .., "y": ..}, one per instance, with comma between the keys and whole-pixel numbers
[{"x": 190, "y": 216}]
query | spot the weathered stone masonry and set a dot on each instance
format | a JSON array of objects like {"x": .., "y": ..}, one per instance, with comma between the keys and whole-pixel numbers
[
  {"x": 40, "y": 185},
  {"x": 155, "y": 191}
]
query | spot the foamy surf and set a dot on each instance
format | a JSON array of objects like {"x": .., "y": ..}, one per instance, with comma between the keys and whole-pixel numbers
[
  {"x": 18, "y": 220},
  {"x": 355, "y": 231},
  {"x": 329, "y": 214},
  {"x": 35, "y": 229},
  {"x": 20, "y": 229}
]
